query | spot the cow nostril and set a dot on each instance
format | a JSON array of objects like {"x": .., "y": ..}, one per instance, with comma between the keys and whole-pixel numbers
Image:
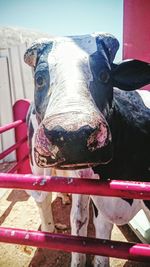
[
  {"x": 55, "y": 135},
  {"x": 47, "y": 133},
  {"x": 99, "y": 138}
]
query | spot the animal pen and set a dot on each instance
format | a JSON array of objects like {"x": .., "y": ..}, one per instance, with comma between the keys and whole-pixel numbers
[{"x": 20, "y": 177}]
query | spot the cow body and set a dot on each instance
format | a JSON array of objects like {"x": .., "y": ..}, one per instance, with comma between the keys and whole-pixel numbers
[
  {"x": 88, "y": 127},
  {"x": 130, "y": 127}
]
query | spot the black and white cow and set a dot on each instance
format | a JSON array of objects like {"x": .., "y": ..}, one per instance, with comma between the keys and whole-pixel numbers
[{"x": 85, "y": 124}]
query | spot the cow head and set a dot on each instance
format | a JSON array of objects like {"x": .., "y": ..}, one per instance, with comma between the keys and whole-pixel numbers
[{"x": 74, "y": 78}]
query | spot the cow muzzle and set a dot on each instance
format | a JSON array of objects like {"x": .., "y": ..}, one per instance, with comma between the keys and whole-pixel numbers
[{"x": 72, "y": 141}]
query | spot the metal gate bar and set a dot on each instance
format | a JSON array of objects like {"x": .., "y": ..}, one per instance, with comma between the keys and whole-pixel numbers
[
  {"x": 125, "y": 189},
  {"x": 117, "y": 249}
]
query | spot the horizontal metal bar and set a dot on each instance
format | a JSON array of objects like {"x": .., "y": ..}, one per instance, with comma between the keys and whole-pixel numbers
[
  {"x": 117, "y": 249},
  {"x": 12, "y": 148},
  {"x": 10, "y": 126},
  {"x": 125, "y": 189}
]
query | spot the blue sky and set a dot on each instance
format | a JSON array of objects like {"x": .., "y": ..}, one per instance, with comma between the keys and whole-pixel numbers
[{"x": 64, "y": 17}]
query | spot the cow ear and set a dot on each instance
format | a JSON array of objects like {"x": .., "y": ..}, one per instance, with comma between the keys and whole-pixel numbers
[
  {"x": 30, "y": 56},
  {"x": 130, "y": 74},
  {"x": 34, "y": 52},
  {"x": 108, "y": 43}
]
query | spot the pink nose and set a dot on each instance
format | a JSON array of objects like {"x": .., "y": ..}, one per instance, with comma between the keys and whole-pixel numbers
[
  {"x": 99, "y": 138},
  {"x": 70, "y": 140}
]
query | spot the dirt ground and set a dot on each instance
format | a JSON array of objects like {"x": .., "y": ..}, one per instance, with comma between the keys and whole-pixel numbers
[{"x": 19, "y": 210}]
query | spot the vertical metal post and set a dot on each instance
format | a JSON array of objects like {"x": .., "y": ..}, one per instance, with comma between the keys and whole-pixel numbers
[
  {"x": 20, "y": 109},
  {"x": 136, "y": 30}
]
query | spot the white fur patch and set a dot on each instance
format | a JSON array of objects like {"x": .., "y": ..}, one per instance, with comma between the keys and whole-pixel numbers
[
  {"x": 69, "y": 69},
  {"x": 145, "y": 95}
]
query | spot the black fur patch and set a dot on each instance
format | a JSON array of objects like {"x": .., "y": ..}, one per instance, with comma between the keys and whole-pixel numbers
[
  {"x": 130, "y": 201},
  {"x": 147, "y": 203},
  {"x": 95, "y": 209},
  {"x": 130, "y": 128}
]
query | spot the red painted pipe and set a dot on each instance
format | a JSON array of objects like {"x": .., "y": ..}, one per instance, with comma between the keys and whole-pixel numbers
[
  {"x": 12, "y": 148},
  {"x": 125, "y": 189},
  {"x": 122, "y": 250},
  {"x": 17, "y": 165},
  {"x": 20, "y": 110},
  {"x": 136, "y": 30},
  {"x": 10, "y": 126}
]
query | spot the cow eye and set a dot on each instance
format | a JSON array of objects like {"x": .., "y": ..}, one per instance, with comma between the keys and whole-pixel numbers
[
  {"x": 40, "y": 81},
  {"x": 104, "y": 76}
]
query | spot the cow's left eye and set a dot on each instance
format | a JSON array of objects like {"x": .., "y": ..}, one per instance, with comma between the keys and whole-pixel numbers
[
  {"x": 104, "y": 76},
  {"x": 40, "y": 81}
]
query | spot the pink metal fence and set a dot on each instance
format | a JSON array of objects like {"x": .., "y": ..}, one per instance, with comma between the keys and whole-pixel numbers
[{"x": 20, "y": 177}]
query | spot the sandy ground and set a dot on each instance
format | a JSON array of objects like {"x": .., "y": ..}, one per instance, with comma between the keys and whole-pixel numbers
[{"x": 19, "y": 210}]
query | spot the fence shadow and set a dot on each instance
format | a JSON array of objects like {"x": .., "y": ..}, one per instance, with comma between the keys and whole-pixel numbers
[
  {"x": 136, "y": 264},
  {"x": 131, "y": 237},
  {"x": 49, "y": 258},
  {"x": 14, "y": 197}
]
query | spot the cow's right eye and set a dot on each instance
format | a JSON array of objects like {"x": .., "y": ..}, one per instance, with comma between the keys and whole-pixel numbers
[
  {"x": 104, "y": 76},
  {"x": 40, "y": 81}
]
